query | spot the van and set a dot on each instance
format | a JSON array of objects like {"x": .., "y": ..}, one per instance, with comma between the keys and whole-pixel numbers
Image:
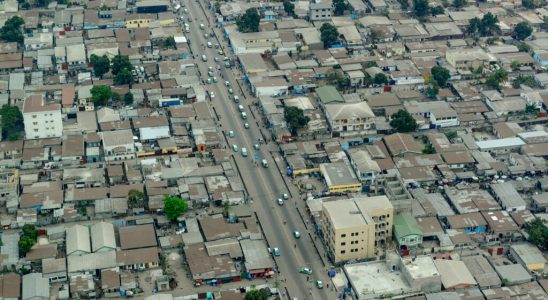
[
  {"x": 209, "y": 45},
  {"x": 204, "y": 58},
  {"x": 236, "y": 99},
  {"x": 244, "y": 115},
  {"x": 264, "y": 163},
  {"x": 240, "y": 108}
]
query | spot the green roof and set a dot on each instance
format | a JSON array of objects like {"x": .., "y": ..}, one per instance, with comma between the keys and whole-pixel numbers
[
  {"x": 405, "y": 225},
  {"x": 329, "y": 94}
]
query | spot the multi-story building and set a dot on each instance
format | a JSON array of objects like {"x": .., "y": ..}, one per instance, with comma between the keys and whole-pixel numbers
[
  {"x": 320, "y": 11},
  {"x": 42, "y": 120},
  {"x": 357, "y": 228},
  {"x": 350, "y": 118}
]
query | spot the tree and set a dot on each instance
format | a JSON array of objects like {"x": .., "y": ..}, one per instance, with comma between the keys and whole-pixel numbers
[
  {"x": 101, "y": 64},
  {"x": 42, "y": 3},
  {"x": 295, "y": 118},
  {"x": 11, "y": 31},
  {"x": 531, "y": 4},
  {"x": 119, "y": 63},
  {"x": 420, "y": 8},
  {"x": 25, "y": 244},
  {"x": 404, "y": 4},
  {"x": 329, "y": 34},
  {"x": 100, "y": 94},
  {"x": 402, "y": 121},
  {"x": 473, "y": 26},
  {"x": 340, "y": 6},
  {"x": 459, "y": 3},
  {"x": 249, "y": 21},
  {"x": 128, "y": 98},
  {"x": 341, "y": 81},
  {"x": 523, "y": 47},
  {"x": 528, "y": 80},
  {"x": 437, "y": 10},
  {"x": 488, "y": 25},
  {"x": 30, "y": 231},
  {"x": 531, "y": 109},
  {"x": 135, "y": 198},
  {"x": 124, "y": 77},
  {"x": 429, "y": 149},
  {"x": 217, "y": 7},
  {"x": 169, "y": 42},
  {"x": 380, "y": 78},
  {"x": 433, "y": 89},
  {"x": 522, "y": 31},
  {"x": 451, "y": 135},
  {"x": 515, "y": 65},
  {"x": 289, "y": 7},
  {"x": 495, "y": 79},
  {"x": 12, "y": 121},
  {"x": 440, "y": 74},
  {"x": 256, "y": 295},
  {"x": 538, "y": 233},
  {"x": 174, "y": 207},
  {"x": 116, "y": 97},
  {"x": 27, "y": 239}
]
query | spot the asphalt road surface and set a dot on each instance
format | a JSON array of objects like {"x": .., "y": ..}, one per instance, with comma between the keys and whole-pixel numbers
[{"x": 264, "y": 185}]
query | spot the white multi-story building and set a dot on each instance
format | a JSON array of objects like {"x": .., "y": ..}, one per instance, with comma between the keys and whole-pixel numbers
[{"x": 42, "y": 120}]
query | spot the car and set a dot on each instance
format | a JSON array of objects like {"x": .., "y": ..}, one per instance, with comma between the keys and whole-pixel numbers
[
  {"x": 236, "y": 99},
  {"x": 218, "y": 67},
  {"x": 319, "y": 284},
  {"x": 227, "y": 83},
  {"x": 285, "y": 196},
  {"x": 189, "y": 20},
  {"x": 182, "y": 18},
  {"x": 296, "y": 234},
  {"x": 215, "y": 79},
  {"x": 276, "y": 252},
  {"x": 210, "y": 73},
  {"x": 225, "y": 58},
  {"x": 231, "y": 134},
  {"x": 246, "y": 125},
  {"x": 280, "y": 201},
  {"x": 209, "y": 45},
  {"x": 206, "y": 35},
  {"x": 208, "y": 81},
  {"x": 227, "y": 64},
  {"x": 235, "y": 148},
  {"x": 305, "y": 270},
  {"x": 216, "y": 59},
  {"x": 230, "y": 91},
  {"x": 221, "y": 52},
  {"x": 256, "y": 146},
  {"x": 210, "y": 68},
  {"x": 212, "y": 95},
  {"x": 244, "y": 152}
]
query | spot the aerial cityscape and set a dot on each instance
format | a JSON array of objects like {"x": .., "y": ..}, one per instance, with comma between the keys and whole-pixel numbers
[{"x": 261, "y": 150}]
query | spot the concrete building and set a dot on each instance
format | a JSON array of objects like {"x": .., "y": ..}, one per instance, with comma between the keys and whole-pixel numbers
[
  {"x": 420, "y": 272},
  {"x": 320, "y": 11},
  {"x": 340, "y": 178},
  {"x": 102, "y": 237},
  {"x": 349, "y": 118},
  {"x": 508, "y": 197},
  {"x": 357, "y": 228},
  {"x": 407, "y": 231},
  {"x": 78, "y": 240},
  {"x": 41, "y": 120},
  {"x": 529, "y": 256},
  {"x": 454, "y": 274},
  {"x": 118, "y": 145}
]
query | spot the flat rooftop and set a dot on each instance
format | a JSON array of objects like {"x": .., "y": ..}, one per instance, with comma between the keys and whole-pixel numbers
[{"x": 371, "y": 280}]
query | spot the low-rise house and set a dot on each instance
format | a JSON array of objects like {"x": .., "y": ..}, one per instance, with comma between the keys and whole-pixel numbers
[
  {"x": 529, "y": 256},
  {"x": 258, "y": 262},
  {"x": 320, "y": 11},
  {"x": 102, "y": 237},
  {"x": 78, "y": 240},
  {"x": 138, "y": 259},
  {"x": 454, "y": 274},
  {"x": 365, "y": 167},
  {"x": 401, "y": 144},
  {"x": 139, "y": 236},
  {"x": 407, "y": 232},
  {"x": 508, "y": 197},
  {"x": 204, "y": 268},
  {"x": 54, "y": 269},
  {"x": 35, "y": 287},
  {"x": 118, "y": 145},
  {"x": 10, "y": 286}
]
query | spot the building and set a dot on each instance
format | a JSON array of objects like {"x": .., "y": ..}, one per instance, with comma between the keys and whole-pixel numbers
[
  {"x": 529, "y": 256},
  {"x": 407, "y": 231},
  {"x": 320, "y": 11},
  {"x": 508, "y": 197},
  {"x": 102, "y": 237},
  {"x": 139, "y": 236},
  {"x": 340, "y": 178},
  {"x": 41, "y": 120},
  {"x": 468, "y": 58},
  {"x": 258, "y": 262},
  {"x": 10, "y": 286},
  {"x": 365, "y": 167},
  {"x": 152, "y": 6},
  {"x": 357, "y": 228},
  {"x": 401, "y": 144},
  {"x": 35, "y": 287},
  {"x": 454, "y": 274},
  {"x": 78, "y": 240},
  {"x": 349, "y": 118},
  {"x": 118, "y": 145}
]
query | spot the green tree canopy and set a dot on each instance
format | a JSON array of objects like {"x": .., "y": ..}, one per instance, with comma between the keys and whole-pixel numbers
[
  {"x": 440, "y": 74},
  {"x": 404, "y": 4},
  {"x": 459, "y": 3},
  {"x": 523, "y": 47},
  {"x": 420, "y": 8},
  {"x": 433, "y": 89},
  {"x": 485, "y": 27},
  {"x": 437, "y": 10},
  {"x": 402, "y": 121},
  {"x": 101, "y": 64},
  {"x": 289, "y": 7},
  {"x": 295, "y": 118},
  {"x": 29, "y": 234},
  {"x": 169, "y": 42},
  {"x": 329, "y": 34},
  {"x": 538, "y": 233},
  {"x": 256, "y": 295},
  {"x": 123, "y": 77},
  {"x": 11, "y": 31},
  {"x": 340, "y": 6},
  {"x": 174, "y": 207},
  {"x": 128, "y": 98},
  {"x": 522, "y": 31},
  {"x": 531, "y": 4},
  {"x": 12, "y": 121},
  {"x": 249, "y": 21},
  {"x": 119, "y": 63},
  {"x": 135, "y": 198},
  {"x": 101, "y": 94},
  {"x": 380, "y": 78},
  {"x": 495, "y": 79}
]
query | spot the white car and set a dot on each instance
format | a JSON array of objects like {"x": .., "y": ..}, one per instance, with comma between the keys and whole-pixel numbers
[
  {"x": 211, "y": 95},
  {"x": 227, "y": 83}
]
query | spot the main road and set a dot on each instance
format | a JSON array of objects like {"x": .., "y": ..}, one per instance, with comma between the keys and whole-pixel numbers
[{"x": 264, "y": 185}]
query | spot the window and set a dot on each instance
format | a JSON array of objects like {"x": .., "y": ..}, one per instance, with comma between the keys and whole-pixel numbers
[
  {"x": 343, "y": 244},
  {"x": 343, "y": 251},
  {"x": 34, "y": 116},
  {"x": 343, "y": 235},
  {"x": 34, "y": 123}
]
